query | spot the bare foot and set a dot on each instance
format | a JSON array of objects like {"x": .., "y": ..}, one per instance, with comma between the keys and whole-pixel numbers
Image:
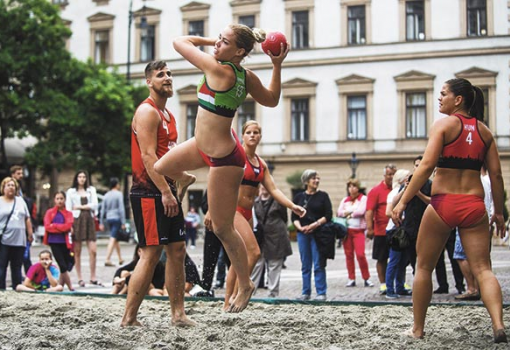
[
  {"x": 411, "y": 333},
  {"x": 229, "y": 300},
  {"x": 134, "y": 323},
  {"x": 183, "y": 321},
  {"x": 242, "y": 299},
  {"x": 500, "y": 336},
  {"x": 184, "y": 184}
]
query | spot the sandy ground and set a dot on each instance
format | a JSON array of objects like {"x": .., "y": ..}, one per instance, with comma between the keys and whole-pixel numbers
[{"x": 49, "y": 321}]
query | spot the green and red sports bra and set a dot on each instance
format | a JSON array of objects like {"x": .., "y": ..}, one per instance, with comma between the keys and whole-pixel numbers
[{"x": 223, "y": 103}]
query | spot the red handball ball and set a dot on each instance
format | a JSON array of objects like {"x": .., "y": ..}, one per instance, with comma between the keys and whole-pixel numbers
[{"x": 273, "y": 41}]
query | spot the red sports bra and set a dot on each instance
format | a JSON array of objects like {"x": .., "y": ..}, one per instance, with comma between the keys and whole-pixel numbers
[
  {"x": 468, "y": 150},
  {"x": 253, "y": 175}
]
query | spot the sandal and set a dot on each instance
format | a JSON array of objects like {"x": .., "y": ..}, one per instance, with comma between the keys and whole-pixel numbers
[
  {"x": 96, "y": 283},
  {"x": 81, "y": 283},
  {"x": 468, "y": 296}
]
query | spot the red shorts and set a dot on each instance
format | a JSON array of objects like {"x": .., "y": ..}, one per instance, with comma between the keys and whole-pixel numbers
[
  {"x": 247, "y": 213},
  {"x": 236, "y": 158},
  {"x": 458, "y": 210}
]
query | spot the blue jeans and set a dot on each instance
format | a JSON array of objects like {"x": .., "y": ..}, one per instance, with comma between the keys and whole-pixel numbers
[
  {"x": 14, "y": 255},
  {"x": 396, "y": 272},
  {"x": 310, "y": 257}
]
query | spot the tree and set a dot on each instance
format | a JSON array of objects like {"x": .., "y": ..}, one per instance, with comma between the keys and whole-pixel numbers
[{"x": 33, "y": 57}]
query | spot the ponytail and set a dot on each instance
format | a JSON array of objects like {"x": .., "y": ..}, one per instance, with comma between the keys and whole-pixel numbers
[
  {"x": 472, "y": 96},
  {"x": 478, "y": 106}
]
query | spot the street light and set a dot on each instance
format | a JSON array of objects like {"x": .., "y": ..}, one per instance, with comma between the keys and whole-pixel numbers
[
  {"x": 354, "y": 162},
  {"x": 143, "y": 26}
]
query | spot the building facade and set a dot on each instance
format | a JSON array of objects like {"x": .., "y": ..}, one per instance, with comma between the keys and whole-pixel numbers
[{"x": 362, "y": 76}]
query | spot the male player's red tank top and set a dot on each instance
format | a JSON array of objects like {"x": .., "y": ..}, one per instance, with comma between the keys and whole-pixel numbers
[
  {"x": 253, "y": 175},
  {"x": 166, "y": 139},
  {"x": 468, "y": 150}
]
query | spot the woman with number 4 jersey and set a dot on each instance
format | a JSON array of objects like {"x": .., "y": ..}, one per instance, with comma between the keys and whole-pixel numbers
[{"x": 458, "y": 145}]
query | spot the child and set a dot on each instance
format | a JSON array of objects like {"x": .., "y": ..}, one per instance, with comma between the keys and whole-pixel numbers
[{"x": 42, "y": 276}]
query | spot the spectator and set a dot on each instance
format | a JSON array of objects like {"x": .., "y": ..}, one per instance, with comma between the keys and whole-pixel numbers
[
  {"x": 318, "y": 212},
  {"x": 112, "y": 210},
  {"x": 353, "y": 208},
  {"x": 272, "y": 217},
  {"x": 377, "y": 221},
  {"x": 396, "y": 270},
  {"x": 42, "y": 276},
  {"x": 82, "y": 201},
  {"x": 15, "y": 231},
  {"x": 192, "y": 222},
  {"x": 17, "y": 174},
  {"x": 58, "y": 224}
]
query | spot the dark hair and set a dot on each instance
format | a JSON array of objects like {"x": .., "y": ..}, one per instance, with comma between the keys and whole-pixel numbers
[
  {"x": 60, "y": 192},
  {"x": 87, "y": 181},
  {"x": 45, "y": 252},
  {"x": 15, "y": 168},
  {"x": 417, "y": 158},
  {"x": 472, "y": 96},
  {"x": 152, "y": 66},
  {"x": 114, "y": 181}
]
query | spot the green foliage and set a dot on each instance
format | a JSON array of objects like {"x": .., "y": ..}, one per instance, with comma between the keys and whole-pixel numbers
[
  {"x": 79, "y": 112},
  {"x": 294, "y": 180}
]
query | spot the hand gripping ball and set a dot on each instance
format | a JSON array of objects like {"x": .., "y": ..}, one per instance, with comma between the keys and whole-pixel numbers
[{"x": 272, "y": 43}]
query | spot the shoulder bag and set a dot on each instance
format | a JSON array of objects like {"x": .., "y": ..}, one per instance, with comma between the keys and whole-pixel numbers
[{"x": 8, "y": 218}]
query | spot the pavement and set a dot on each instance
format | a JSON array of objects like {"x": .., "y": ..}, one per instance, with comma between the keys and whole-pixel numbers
[{"x": 290, "y": 285}]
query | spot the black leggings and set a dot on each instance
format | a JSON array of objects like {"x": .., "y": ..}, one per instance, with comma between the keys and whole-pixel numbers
[{"x": 62, "y": 256}]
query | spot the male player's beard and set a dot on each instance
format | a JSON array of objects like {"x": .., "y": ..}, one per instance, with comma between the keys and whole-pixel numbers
[{"x": 164, "y": 93}]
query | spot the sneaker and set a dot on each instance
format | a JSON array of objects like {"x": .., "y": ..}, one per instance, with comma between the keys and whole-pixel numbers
[
  {"x": 368, "y": 283},
  {"x": 441, "y": 291},
  {"x": 205, "y": 294},
  {"x": 272, "y": 295},
  {"x": 196, "y": 290},
  {"x": 382, "y": 289},
  {"x": 351, "y": 283},
  {"x": 304, "y": 297},
  {"x": 392, "y": 296},
  {"x": 192, "y": 247},
  {"x": 321, "y": 297},
  {"x": 218, "y": 285},
  {"x": 405, "y": 292},
  {"x": 406, "y": 286}
]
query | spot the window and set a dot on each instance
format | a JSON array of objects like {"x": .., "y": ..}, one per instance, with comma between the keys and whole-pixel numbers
[
  {"x": 60, "y": 2},
  {"x": 101, "y": 38},
  {"x": 356, "y": 117},
  {"x": 147, "y": 49},
  {"x": 299, "y": 120},
  {"x": 356, "y": 25},
  {"x": 196, "y": 28},
  {"x": 299, "y": 29},
  {"x": 195, "y": 16},
  {"x": 245, "y": 112},
  {"x": 416, "y": 115},
  {"x": 476, "y": 17},
  {"x": 191, "y": 115},
  {"x": 415, "y": 20},
  {"x": 101, "y": 46},
  {"x": 248, "y": 20}
]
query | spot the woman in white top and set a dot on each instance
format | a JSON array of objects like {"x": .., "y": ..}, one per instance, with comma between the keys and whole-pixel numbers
[
  {"x": 353, "y": 208},
  {"x": 81, "y": 199}
]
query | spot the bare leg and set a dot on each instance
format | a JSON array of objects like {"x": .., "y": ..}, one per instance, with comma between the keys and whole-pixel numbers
[
  {"x": 139, "y": 284},
  {"x": 92, "y": 247},
  {"x": 253, "y": 252},
  {"x": 23, "y": 288},
  {"x": 77, "y": 259},
  {"x": 472, "y": 286},
  {"x": 381, "y": 270},
  {"x": 476, "y": 243},
  {"x": 185, "y": 181},
  {"x": 117, "y": 248},
  {"x": 109, "y": 249},
  {"x": 432, "y": 238},
  {"x": 175, "y": 278},
  {"x": 223, "y": 187},
  {"x": 57, "y": 288},
  {"x": 65, "y": 280}
]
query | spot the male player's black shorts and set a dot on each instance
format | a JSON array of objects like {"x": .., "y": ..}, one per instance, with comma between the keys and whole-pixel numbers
[{"x": 153, "y": 227}]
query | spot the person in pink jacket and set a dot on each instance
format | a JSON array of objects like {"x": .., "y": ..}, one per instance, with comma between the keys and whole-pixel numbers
[
  {"x": 353, "y": 208},
  {"x": 58, "y": 224}
]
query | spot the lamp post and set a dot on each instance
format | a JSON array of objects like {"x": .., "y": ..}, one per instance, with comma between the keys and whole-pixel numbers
[{"x": 354, "y": 162}]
